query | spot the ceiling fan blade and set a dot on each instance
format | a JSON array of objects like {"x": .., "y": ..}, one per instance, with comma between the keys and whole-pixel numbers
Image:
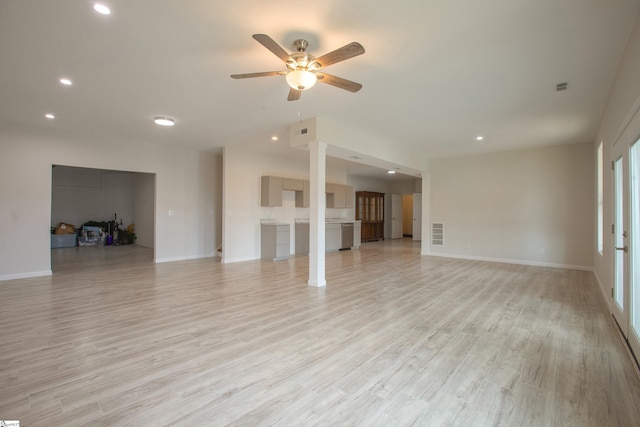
[
  {"x": 345, "y": 52},
  {"x": 274, "y": 47},
  {"x": 294, "y": 94},
  {"x": 338, "y": 82},
  {"x": 263, "y": 74}
]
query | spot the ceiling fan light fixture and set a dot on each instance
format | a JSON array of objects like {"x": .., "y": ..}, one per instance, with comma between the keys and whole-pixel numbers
[{"x": 301, "y": 79}]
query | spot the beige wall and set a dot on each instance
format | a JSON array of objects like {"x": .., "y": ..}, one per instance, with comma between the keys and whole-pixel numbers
[
  {"x": 526, "y": 206},
  {"x": 185, "y": 181}
]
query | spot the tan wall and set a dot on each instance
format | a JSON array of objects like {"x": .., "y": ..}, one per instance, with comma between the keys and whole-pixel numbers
[{"x": 532, "y": 206}]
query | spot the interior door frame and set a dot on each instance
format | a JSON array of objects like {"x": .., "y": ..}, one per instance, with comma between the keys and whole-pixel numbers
[
  {"x": 620, "y": 220},
  {"x": 417, "y": 217},
  {"x": 627, "y": 137},
  {"x": 396, "y": 216},
  {"x": 634, "y": 254}
]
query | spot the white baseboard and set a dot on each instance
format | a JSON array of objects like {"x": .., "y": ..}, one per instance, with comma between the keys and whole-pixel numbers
[
  {"x": 26, "y": 275},
  {"x": 514, "y": 261},
  {"x": 606, "y": 297},
  {"x": 232, "y": 260},
  {"x": 144, "y": 246},
  {"x": 184, "y": 258}
]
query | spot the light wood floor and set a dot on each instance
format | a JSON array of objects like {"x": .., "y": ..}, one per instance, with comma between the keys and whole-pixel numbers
[{"x": 395, "y": 339}]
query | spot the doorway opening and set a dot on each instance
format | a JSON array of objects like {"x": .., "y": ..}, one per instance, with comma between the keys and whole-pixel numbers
[
  {"x": 101, "y": 197},
  {"x": 406, "y": 216}
]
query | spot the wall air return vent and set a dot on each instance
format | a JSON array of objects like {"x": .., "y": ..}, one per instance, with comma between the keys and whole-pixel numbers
[{"x": 437, "y": 234}]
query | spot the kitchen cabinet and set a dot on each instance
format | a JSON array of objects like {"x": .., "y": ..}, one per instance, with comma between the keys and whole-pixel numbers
[
  {"x": 271, "y": 191},
  {"x": 349, "y": 197},
  {"x": 370, "y": 210},
  {"x": 303, "y": 198},
  {"x": 292, "y": 184},
  {"x": 333, "y": 236},
  {"x": 339, "y": 196},
  {"x": 302, "y": 238},
  {"x": 274, "y": 241}
]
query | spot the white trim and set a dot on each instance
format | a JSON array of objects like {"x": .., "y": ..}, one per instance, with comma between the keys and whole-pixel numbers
[
  {"x": 316, "y": 284},
  {"x": 605, "y": 297},
  {"x": 184, "y": 258},
  {"x": 515, "y": 261},
  {"x": 26, "y": 275},
  {"x": 144, "y": 246},
  {"x": 243, "y": 259}
]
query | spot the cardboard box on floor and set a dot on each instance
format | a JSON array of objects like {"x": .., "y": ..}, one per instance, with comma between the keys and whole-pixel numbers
[{"x": 64, "y": 228}]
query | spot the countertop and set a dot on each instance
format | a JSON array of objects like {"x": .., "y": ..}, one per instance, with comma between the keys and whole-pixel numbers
[{"x": 328, "y": 221}]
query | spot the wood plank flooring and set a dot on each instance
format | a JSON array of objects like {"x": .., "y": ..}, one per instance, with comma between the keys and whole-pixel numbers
[{"x": 395, "y": 339}]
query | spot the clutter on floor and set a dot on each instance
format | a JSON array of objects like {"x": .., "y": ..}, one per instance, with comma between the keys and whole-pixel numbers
[{"x": 92, "y": 233}]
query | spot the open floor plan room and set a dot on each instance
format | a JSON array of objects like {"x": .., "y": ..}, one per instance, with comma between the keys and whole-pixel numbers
[{"x": 394, "y": 339}]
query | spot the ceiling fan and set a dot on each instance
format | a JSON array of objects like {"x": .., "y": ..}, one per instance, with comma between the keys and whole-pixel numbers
[{"x": 303, "y": 69}]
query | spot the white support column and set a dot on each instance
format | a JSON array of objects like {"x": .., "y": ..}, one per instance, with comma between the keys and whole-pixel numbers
[{"x": 317, "y": 178}]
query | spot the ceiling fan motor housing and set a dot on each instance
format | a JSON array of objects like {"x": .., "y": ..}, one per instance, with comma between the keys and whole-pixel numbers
[{"x": 301, "y": 45}]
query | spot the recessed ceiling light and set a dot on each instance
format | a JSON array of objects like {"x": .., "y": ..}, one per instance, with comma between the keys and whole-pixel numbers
[
  {"x": 102, "y": 9},
  {"x": 391, "y": 172},
  {"x": 274, "y": 138},
  {"x": 50, "y": 116},
  {"x": 479, "y": 138},
  {"x": 164, "y": 121},
  {"x": 65, "y": 81}
]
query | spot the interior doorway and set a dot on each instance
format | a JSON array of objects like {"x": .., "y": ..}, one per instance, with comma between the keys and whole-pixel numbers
[
  {"x": 407, "y": 215},
  {"x": 81, "y": 195},
  {"x": 405, "y": 220}
]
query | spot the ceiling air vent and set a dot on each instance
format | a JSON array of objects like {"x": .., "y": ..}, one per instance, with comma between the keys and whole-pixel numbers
[
  {"x": 561, "y": 86},
  {"x": 437, "y": 234}
]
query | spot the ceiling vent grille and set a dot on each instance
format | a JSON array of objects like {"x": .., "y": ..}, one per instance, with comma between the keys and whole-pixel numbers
[
  {"x": 562, "y": 86},
  {"x": 437, "y": 234}
]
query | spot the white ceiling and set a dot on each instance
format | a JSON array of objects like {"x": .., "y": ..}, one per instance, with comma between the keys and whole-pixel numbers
[{"x": 436, "y": 73}]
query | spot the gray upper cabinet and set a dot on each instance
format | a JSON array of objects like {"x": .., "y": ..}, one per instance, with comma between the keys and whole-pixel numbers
[
  {"x": 340, "y": 196},
  {"x": 303, "y": 198},
  {"x": 292, "y": 184},
  {"x": 349, "y": 197},
  {"x": 271, "y": 191}
]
